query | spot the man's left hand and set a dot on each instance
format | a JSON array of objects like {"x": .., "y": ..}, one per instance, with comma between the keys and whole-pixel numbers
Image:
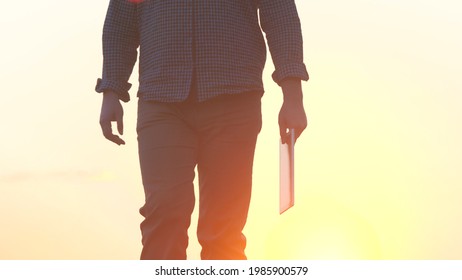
[{"x": 292, "y": 114}]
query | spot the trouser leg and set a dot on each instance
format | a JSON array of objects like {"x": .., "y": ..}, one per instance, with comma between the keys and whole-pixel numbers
[
  {"x": 167, "y": 153},
  {"x": 225, "y": 160}
]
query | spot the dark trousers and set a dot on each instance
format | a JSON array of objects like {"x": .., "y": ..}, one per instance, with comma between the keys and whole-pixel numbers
[{"x": 219, "y": 137}]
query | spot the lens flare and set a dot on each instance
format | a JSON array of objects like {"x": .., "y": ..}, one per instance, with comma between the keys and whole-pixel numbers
[{"x": 323, "y": 229}]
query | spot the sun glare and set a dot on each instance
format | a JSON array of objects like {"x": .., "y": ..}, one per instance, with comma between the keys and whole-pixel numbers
[{"x": 322, "y": 229}]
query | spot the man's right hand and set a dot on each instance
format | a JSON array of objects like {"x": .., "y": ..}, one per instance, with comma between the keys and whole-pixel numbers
[{"x": 112, "y": 110}]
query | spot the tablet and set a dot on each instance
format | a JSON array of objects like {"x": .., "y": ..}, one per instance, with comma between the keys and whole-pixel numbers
[{"x": 286, "y": 172}]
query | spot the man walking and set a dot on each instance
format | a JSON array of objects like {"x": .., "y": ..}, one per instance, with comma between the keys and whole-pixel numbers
[{"x": 200, "y": 86}]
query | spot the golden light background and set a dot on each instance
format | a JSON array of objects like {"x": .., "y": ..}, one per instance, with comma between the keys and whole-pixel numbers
[{"x": 378, "y": 171}]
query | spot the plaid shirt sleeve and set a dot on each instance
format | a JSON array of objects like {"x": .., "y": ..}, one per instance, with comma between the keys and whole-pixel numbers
[
  {"x": 120, "y": 43},
  {"x": 281, "y": 24}
]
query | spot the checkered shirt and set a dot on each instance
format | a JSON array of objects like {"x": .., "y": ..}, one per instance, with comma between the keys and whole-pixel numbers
[{"x": 220, "y": 41}]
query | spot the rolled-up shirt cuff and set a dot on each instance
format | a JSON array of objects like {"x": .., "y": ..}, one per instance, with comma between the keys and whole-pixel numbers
[
  {"x": 292, "y": 70},
  {"x": 117, "y": 87}
]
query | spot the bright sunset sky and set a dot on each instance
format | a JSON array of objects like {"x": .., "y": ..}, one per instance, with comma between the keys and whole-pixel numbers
[{"x": 378, "y": 171}]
